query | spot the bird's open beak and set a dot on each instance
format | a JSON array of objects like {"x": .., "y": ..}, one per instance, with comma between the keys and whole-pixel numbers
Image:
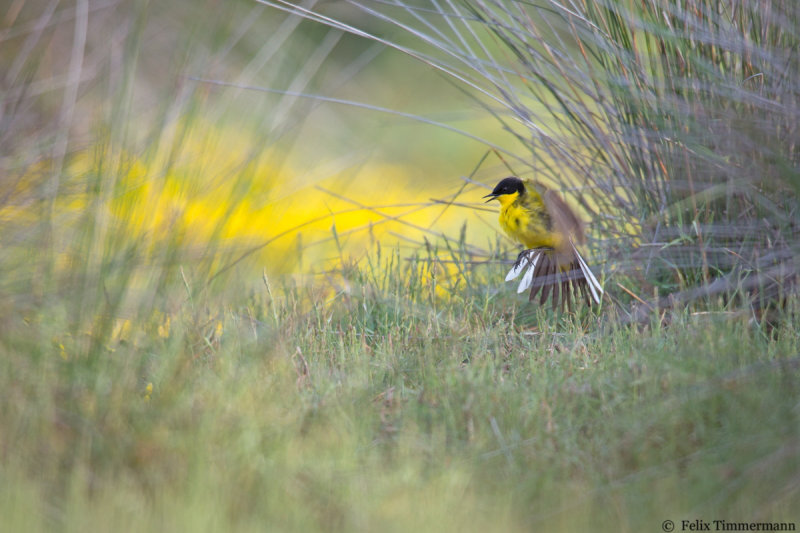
[{"x": 491, "y": 196}]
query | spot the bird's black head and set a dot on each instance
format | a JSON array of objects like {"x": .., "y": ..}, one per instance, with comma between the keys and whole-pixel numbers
[{"x": 508, "y": 185}]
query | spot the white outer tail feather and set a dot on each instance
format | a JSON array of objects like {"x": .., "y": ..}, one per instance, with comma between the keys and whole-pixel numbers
[
  {"x": 591, "y": 281},
  {"x": 516, "y": 270},
  {"x": 527, "y": 279}
]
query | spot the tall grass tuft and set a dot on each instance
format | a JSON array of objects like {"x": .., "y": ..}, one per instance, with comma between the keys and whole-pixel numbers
[{"x": 672, "y": 123}]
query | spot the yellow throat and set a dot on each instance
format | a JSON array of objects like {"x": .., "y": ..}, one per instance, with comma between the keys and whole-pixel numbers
[{"x": 507, "y": 199}]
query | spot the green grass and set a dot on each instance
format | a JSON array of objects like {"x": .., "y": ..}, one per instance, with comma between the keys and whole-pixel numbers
[{"x": 389, "y": 408}]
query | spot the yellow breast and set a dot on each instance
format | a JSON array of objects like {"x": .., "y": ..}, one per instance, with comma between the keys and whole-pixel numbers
[{"x": 526, "y": 223}]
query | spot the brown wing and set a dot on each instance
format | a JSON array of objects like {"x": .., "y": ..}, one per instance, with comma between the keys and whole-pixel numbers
[{"x": 565, "y": 221}]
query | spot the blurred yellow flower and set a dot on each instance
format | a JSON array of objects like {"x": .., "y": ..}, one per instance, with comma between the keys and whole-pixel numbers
[{"x": 217, "y": 198}]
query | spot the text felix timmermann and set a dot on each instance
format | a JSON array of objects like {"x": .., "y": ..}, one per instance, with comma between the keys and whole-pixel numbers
[{"x": 724, "y": 525}]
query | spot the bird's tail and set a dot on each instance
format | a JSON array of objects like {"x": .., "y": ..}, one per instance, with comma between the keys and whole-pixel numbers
[{"x": 548, "y": 272}]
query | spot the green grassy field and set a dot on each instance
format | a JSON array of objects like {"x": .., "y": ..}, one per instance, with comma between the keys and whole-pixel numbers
[
  {"x": 389, "y": 408},
  {"x": 244, "y": 287}
]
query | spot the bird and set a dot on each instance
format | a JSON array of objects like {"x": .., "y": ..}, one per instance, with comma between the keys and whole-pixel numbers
[{"x": 541, "y": 220}]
